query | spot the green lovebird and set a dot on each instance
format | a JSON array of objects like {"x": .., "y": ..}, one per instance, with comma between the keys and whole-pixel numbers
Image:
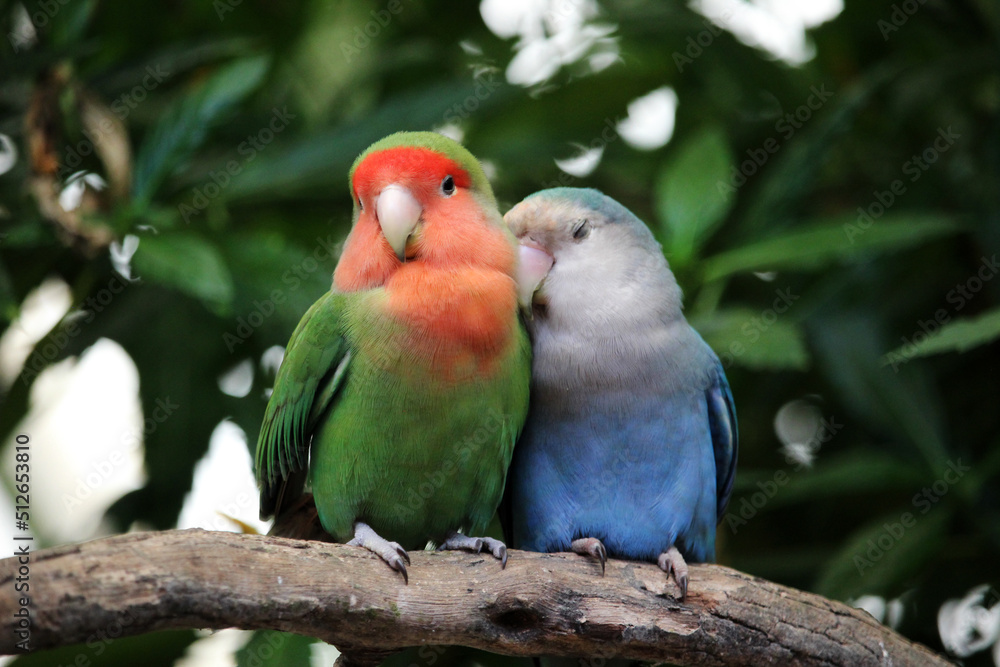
[{"x": 404, "y": 388}]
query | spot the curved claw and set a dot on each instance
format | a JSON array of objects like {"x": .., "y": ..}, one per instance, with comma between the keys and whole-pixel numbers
[
  {"x": 392, "y": 553},
  {"x": 398, "y": 565},
  {"x": 460, "y": 542},
  {"x": 402, "y": 553},
  {"x": 498, "y": 549},
  {"x": 591, "y": 546},
  {"x": 457, "y": 541},
  {"x": 671, "y": 562}
]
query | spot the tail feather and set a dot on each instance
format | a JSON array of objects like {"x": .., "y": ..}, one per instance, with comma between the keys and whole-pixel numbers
[{"x": 300, "y": 521}]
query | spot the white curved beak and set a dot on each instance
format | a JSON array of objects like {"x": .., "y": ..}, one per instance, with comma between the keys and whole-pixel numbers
[
  {"x": 398, "y": 213},
  {"x": 532, "y": 267}
]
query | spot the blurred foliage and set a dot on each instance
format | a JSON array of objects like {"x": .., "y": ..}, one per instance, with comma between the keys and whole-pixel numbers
[{"x": 225, "y": 130}]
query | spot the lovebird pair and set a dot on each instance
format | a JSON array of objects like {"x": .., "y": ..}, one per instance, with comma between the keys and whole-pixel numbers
[{"x": 404, "y": 392}]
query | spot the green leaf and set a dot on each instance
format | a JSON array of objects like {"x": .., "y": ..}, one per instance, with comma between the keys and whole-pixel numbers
[
  {"x": 788, "y": 180},
  {"x": 906, "y": 405},
  {"x": 759, "y": 340},
  {"x": 835, "y": 475},
  {"x": 188, "y": 263},
  {"x": 957, "y": 336},
  {"x": 689, "y": 201},
  {"x": 8, "y": 300},
  {"x": 270, "y": 648},
  {"x": 185, "y": 125},
  {"x": 815, "y": 245},
  {"x": 320, "y": 162},
  {"x": 880, "y": 558},
  {"x": 157, "y": 649}
]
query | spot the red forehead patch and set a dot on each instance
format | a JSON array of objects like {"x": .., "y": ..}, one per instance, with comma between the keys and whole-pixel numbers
[{"x": 410, "y": 165}]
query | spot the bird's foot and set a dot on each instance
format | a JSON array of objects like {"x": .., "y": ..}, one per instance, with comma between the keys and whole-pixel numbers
[
  {"x": 393, "y": 554},
  {"x": 591, "y": 546},
  {"x": 671, "y": 562},
  {"x": 456, "y": 541}
]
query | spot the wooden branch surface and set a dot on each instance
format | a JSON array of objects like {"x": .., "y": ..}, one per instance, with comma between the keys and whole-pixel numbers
[{"x": 542, "y": 604}]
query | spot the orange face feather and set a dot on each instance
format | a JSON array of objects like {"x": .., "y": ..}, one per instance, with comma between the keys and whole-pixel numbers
[{"x": 455, "y": 285}]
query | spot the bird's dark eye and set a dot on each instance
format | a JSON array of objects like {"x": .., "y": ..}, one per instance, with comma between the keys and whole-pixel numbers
[
  {"x": 448, "y": 186},
  {"x": 361, "y": 204},
  {"x": 581, "y": 230}
]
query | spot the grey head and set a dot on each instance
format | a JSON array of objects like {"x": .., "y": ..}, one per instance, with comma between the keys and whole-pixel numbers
[
  {"x": 606, "y": 309},
  {"x": 607, "y": 268}
]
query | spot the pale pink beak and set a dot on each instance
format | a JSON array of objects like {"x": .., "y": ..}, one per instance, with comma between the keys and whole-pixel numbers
[
  {"x": 532, "y": 267},
  {"x": 398, "y": 213}
]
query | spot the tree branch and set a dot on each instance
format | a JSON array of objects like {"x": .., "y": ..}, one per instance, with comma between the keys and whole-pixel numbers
[{"x": 542, "y": 604}]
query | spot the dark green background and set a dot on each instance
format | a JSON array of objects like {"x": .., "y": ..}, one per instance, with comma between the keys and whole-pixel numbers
[{"x": 898, "y": 420}]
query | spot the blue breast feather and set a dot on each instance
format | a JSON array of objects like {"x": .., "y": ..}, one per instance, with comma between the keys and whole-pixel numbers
[{"x": 639, "y": 471}]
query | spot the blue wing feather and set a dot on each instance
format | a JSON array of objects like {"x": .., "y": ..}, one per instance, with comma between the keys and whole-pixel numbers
[{"x": 725, "y": 438}]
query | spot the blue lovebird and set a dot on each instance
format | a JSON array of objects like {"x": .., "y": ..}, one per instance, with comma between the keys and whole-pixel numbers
[{"x": 630, "y": 446}]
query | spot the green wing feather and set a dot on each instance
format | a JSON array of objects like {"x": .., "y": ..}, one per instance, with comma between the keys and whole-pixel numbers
[{"x": 315, "y": 364}]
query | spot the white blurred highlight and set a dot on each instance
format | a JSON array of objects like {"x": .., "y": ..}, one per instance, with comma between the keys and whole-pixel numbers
[
  {"x": 452, "y": 131},
  {"x": 583, "y": 163},
  {"x": 238, "y": 380},
  {"x": 86, "y": 428},
  {"x": 888, "y": 612},
  {"x": 121, "y": 254},
  {"x": 322, "y": 654},
  {"x": 8, "y": 154},
  {"x": 967, "y": 625},
  {"x": 650, "y": 121},
  {"x": 798, "y": 425},
  {"x": 217, "y": 649},
  {"x": 223, "y": 485},
  {"x": 72, "y": 194},
  {"x": 551, "y": 34},
  {"x": 775, "y": 26},
  {"x": 42, "y": 309}
]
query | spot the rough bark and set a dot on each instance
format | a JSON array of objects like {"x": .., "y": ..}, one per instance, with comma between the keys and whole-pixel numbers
[{"x": 542, "y": 604}]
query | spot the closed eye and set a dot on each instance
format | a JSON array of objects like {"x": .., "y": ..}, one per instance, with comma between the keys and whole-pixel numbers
[{"x": 581, "y": 230}]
